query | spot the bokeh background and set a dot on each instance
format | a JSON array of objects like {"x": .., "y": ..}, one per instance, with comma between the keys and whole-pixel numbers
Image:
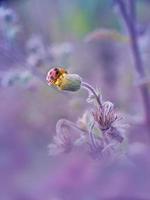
[{"x": 87, "y": 37}]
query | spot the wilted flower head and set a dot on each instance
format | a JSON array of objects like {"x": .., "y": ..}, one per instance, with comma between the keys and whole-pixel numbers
[
  {"x": 105, "y": 115},
  {"x": 108, "y": 120},
  {"x": 99, "y": 130},
  {"x": 63, "y": 80}
]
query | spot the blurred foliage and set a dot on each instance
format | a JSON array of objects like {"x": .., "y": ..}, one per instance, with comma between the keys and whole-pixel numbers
[
  {"x": 81, "y": 17},
  {"x": 73, "y": 19}
]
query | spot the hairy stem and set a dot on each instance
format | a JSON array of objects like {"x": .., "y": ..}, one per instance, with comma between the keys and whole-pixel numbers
[{"x": 91, "y": 89}]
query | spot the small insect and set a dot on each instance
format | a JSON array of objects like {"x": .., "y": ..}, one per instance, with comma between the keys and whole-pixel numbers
[
  {"x": 55, "y": 74},
  {"x": 63, "y": 80}
]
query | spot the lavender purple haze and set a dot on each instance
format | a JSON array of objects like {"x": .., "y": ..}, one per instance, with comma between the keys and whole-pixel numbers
[{"x": 89, "y": 144}]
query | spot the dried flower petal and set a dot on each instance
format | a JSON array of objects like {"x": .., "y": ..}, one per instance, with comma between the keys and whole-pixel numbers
[
  {"x": 105, "y": 116},
  {"x": 65, "y": 138}
]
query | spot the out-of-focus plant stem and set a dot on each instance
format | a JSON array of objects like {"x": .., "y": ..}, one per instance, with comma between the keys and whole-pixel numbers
[{"x": 129, "y": 17}]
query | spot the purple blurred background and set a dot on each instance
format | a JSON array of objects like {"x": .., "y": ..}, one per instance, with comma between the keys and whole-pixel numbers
[{"x": 88, "y": 38}]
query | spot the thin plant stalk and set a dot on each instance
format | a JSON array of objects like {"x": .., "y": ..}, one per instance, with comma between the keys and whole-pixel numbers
[
  {"x": 92, "y": 90},
  {"x": 130, "y": 20}
]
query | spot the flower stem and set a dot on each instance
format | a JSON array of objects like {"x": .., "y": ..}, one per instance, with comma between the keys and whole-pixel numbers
[
  {"x": 130, "y": 20},
  {"x": 91, "y": 136},
  {"x": 91, "y": 89}
]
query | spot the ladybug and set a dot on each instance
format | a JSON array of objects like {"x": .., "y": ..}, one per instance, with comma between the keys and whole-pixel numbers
[{"x": 54, "y": 74}]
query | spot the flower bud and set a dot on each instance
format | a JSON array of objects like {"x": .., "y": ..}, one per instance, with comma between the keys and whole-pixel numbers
[
  {"x": 63, "y": 80},
  {"x": 70, "y": 82}
]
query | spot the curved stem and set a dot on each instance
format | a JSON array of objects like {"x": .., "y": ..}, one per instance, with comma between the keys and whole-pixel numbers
[
  {"x": 70, "y": 124},
  {"x": 91, "y": 89}
]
